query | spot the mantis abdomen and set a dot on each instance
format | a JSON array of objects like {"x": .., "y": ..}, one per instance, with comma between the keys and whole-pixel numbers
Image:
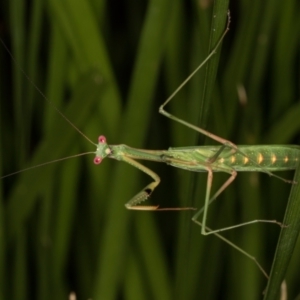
[{"x": 259, "y": 158}]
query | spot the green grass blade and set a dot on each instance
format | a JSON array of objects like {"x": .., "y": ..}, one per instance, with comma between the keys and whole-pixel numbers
[{"x": 286, "y": 243}]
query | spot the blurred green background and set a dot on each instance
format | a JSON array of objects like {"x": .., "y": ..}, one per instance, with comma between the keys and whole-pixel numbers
[{"x": 107, "y": 66}]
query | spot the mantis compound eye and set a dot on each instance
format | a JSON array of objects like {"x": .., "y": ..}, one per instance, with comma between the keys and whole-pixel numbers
[
  {"x": 97, "y": 160},
  {"x": 102, "y": 139}
]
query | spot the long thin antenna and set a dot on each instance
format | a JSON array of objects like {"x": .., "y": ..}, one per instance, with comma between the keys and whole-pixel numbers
[
  {"x": 43, "y": 95},
  {"x": 46, "y": 163}
]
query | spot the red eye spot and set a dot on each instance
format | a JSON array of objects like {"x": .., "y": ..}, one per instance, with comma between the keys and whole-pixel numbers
[
  {"x": 102, "y": 139},
  {"x": 97, "y": 160}
]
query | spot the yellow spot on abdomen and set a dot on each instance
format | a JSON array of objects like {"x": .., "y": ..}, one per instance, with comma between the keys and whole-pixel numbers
[
  {"x": 260, "y": 158},
  {"x": 233, "y": 159},
  {"x": 286, "y": 159},
  {"x": 246, "y": 160},
  {"x": 273, "y": 158}
]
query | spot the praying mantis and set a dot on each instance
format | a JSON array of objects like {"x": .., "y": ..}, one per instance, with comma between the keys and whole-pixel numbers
[{"x": 227, "y": 158}]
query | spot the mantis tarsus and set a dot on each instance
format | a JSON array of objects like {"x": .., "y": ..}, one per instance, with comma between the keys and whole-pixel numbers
[{"x": 227, "y": 158}]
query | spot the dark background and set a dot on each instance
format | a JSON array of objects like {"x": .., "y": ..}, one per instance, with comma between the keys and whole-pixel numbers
[{"x": 108, "y": 66}]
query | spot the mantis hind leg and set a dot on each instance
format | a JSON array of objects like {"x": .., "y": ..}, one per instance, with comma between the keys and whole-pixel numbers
[
  {"x": 209, "y": 200},
  {"x": 253, "y": 258},
  {"x": 185, "y": 123},
  {"x": 204, "y": 210}
]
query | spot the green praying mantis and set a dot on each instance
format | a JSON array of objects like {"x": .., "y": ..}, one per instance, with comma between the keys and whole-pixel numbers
[{"x": 227, "y": 157}]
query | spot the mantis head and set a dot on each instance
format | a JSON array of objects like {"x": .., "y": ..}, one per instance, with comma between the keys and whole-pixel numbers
[{"x": 102, "y": 150}]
